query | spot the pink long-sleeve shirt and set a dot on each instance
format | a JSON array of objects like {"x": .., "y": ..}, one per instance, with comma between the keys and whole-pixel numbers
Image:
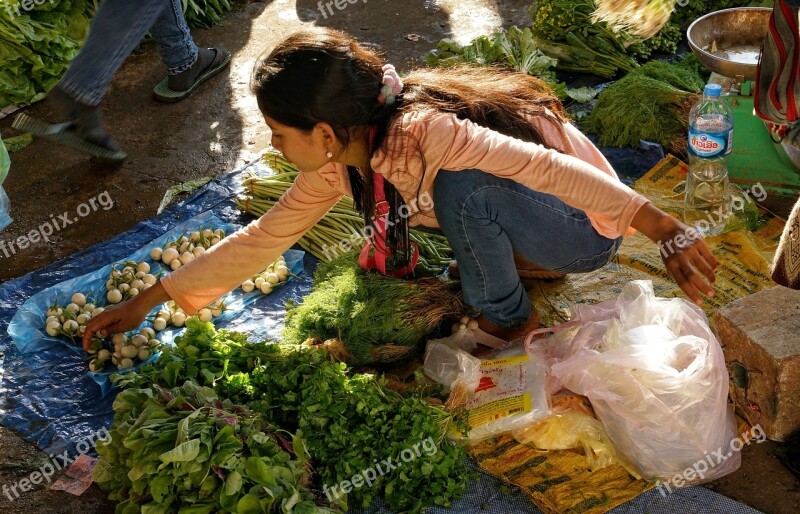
[{"x": 577, "y": 173}]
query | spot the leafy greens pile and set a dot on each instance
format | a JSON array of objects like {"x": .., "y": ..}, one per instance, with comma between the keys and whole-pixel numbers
[
  {"x": 37, "y": 46},
  {"x": 515, "y": 49},
  {"x": 186, "y": 449},
  {"x": 563, "y": 29},
  {"x": 205, "y": 13},
  {"x": 684, "y": 15},
  {"x": 339, "y": 425},
  {"x": 367, "y": 317},
  {"x": 651, "y": 103}
]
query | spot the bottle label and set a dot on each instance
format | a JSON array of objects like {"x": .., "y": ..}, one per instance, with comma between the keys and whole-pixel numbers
[{"x": 708, "y": 146}]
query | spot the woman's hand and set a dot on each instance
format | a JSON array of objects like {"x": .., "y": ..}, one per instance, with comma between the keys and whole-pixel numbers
[
  {"x": 125, "y": 316},
  {"x": 685, "y": 254}
]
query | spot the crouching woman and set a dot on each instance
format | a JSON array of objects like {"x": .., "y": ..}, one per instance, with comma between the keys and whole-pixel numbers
[{"x": 507, "y": 174}]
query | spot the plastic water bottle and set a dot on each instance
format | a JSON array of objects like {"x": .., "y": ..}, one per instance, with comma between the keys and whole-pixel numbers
[{"x": 708, "y": 204}]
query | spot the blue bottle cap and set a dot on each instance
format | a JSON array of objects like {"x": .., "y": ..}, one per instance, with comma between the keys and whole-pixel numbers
[{"x": 713, "y": 90}]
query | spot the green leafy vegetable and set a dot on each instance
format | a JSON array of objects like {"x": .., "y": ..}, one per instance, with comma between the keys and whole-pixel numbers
[
  {"x": 515, "y": 49},
  {"x": 184, "y": 449},
  {"x": 205, "y": 13},
  {"x": 340, "y": 425},
  {"x": 651, "y": 103},
  {"x": 563, "y": 30},
  {"x": 36, "y": 46},
  {"x": 367, "y": 317},
  {"x": 582, "y": 95},
  {"x": 17, "y": 143}
]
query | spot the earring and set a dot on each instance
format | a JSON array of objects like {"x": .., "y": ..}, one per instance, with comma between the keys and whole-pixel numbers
[{"x": 329, "y": 155}]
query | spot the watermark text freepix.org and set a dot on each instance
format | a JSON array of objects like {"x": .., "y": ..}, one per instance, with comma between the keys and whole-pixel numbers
[
  {"x": 356, "y": 239},
  {"x": 56, "y": 463},
  {"x": 711, "y": 460},
  {"x": 24, "y": 5},
  {"x": 721, "y": 213},
  {"x": 56, "y": 223},
  {"x": 326, "y": 8},
  {"x": 370, "y": 475}
]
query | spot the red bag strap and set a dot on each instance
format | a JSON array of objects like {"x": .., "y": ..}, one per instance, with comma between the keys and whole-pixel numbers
[{"x": 377, "y": 242}]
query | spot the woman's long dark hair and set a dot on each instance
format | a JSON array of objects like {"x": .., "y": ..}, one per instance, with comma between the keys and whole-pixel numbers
[{"x": 324, "y": 75}]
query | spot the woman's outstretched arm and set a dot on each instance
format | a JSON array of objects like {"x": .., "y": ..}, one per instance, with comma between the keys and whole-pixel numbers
[{"x": 235, "y": 259}]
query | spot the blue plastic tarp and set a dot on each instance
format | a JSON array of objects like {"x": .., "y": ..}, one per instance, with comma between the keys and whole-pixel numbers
[{"x": 46, "y": 394}]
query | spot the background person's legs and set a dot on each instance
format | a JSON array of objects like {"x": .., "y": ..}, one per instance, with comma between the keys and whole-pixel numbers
[
  {"x": 116, "y": 30},
  {"x": 487, "y": 219},
  {"x": 174, "y": 41},
  {"x": 184, "y": 61}
]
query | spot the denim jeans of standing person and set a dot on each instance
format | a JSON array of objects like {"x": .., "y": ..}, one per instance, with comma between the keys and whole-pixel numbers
[
  {"x": 487, "y": 219},
  {"x": 116, "y": 30}
]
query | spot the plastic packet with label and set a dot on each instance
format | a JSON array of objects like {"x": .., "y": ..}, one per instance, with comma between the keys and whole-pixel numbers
[{"x": 502, "y": 391}]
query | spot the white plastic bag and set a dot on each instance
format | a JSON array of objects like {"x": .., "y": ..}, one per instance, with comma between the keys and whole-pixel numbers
[
  {"x": 5, "y": 165},
  {"x": 505, "y": 391},
  {"x": 656, "y": 377}
]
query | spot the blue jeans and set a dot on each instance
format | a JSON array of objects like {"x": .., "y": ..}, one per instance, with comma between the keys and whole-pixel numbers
[
  {"x": 116, "y": 30},
  {"x": 487, "y": 219}
]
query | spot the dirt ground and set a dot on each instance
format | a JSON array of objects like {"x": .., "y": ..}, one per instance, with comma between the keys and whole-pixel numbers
[{"x": 216, "y": 130}]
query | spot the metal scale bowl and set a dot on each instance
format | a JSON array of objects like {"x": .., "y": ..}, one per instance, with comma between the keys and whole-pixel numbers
[{"x": 728, "y": 43}]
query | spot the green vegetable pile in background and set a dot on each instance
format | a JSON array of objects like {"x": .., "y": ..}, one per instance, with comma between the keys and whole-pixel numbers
[
  {"x": 514, "y": 49},
  {"x": 322, "y": 417},
  {"x": 205, "y": 13},
  {"x": 37, "y": 45},
  {"x": 366, "y": 317},
  {"x": 683, "y": 16},
  {"x": 563, "y": 30},
  {"x": 651, "y": 103}
]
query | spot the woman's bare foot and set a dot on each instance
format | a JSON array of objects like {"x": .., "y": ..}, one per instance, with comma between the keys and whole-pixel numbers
[{"x": 509, "y": 334}]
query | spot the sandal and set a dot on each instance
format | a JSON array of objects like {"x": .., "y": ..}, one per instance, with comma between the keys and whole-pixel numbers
[
  {"x": 163, "y": 93},
  {"x": 66, "y": 134}
]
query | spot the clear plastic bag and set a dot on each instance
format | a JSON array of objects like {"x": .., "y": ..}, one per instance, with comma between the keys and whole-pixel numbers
[
  {"x": 5, "y": 165},
  {"x": 503, "y": 391},
  {"x": 571, "y": 430},
  {"x": 656, "y": 377}
]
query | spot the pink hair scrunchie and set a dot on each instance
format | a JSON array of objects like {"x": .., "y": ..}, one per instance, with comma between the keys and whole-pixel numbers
[{"x": 392, "y": 85}]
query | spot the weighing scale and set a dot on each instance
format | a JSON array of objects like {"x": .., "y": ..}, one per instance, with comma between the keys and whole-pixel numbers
[{"x": 728, "y": 43}]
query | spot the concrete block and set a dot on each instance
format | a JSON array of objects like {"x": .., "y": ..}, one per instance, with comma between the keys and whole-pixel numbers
[{"x": 760, "y": 336}]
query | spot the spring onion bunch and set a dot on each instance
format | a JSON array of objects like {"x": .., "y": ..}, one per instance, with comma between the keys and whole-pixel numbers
[{"x": 342, "y": 223}]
